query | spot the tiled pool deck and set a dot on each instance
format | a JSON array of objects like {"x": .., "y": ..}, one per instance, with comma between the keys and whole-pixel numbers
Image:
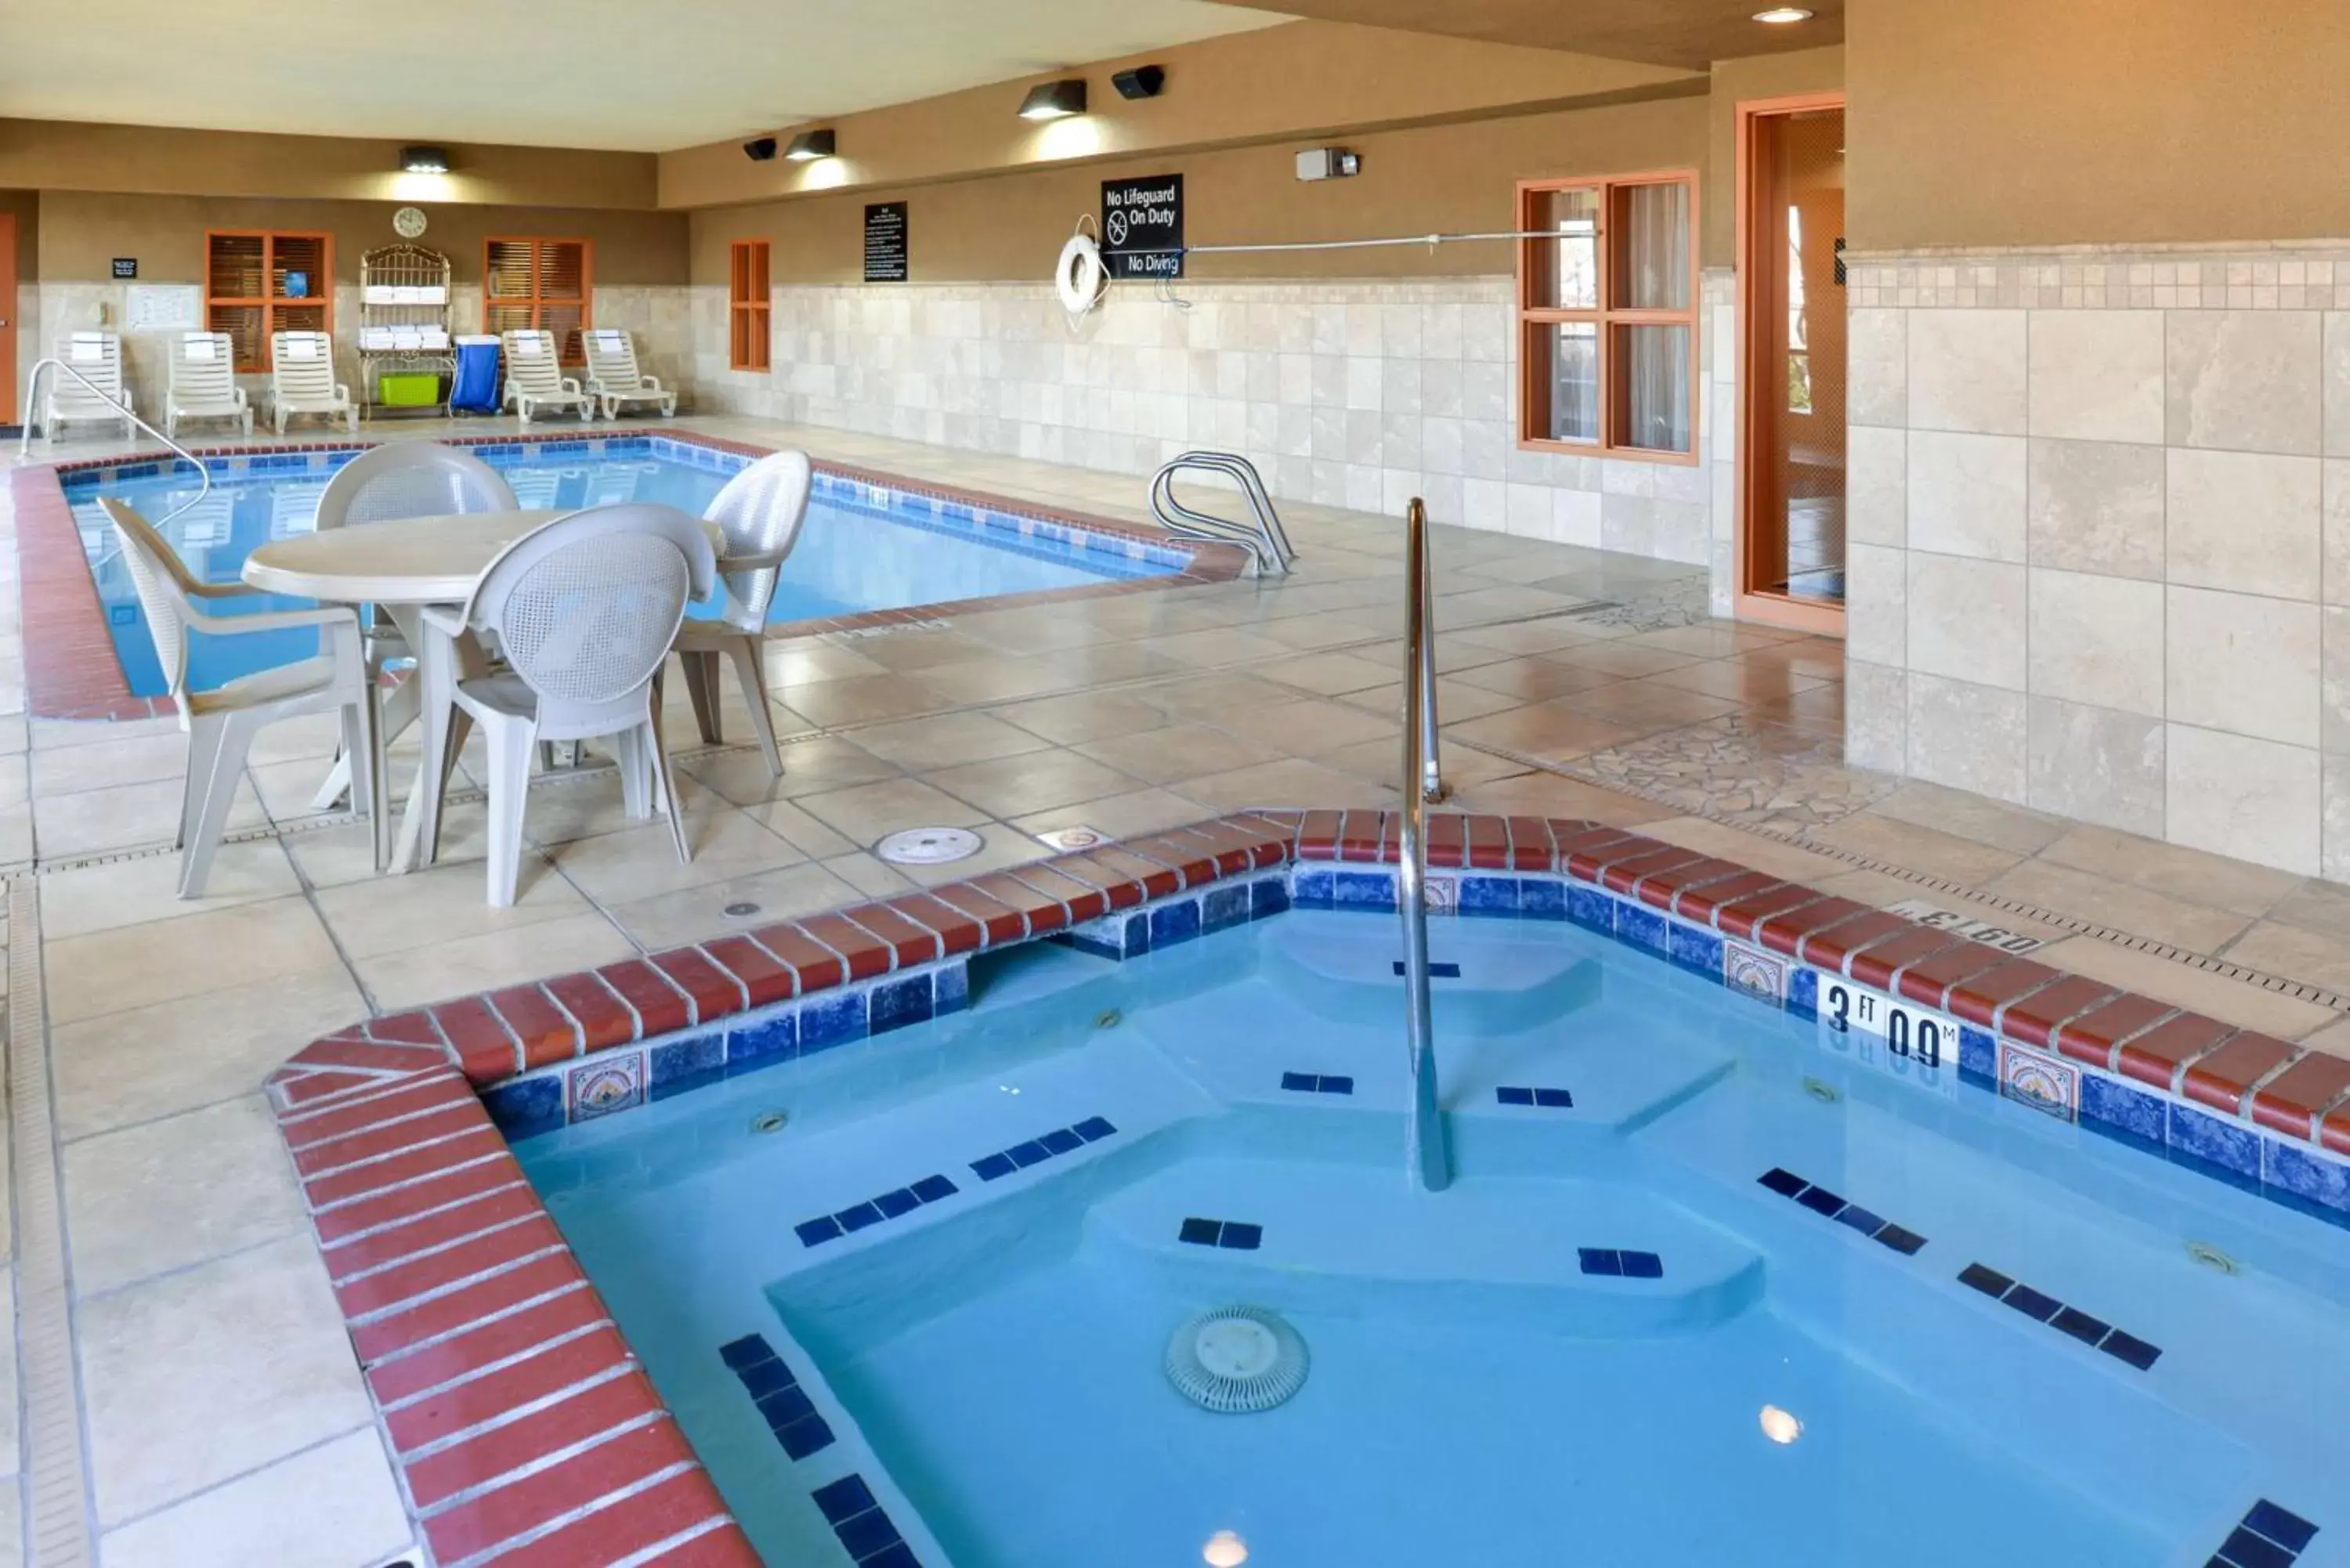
[{"x": 226, "y": 1416}]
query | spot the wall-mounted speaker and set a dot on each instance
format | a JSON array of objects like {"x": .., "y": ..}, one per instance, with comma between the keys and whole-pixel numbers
[
  {"x": 761, "y": 150},
  {"x": 1142, "y": 82}
]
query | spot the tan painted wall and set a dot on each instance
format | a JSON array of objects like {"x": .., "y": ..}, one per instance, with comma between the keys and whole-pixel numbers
[
  {"x": 1737, "y": 82},
  {"x": 53, "y": 155},
  {"x": 81, "y": 231},
  {"x": 2028, "y": 122},
  {"x": 1457, "y": 177},
  {"x": 1297, "y": 83}
]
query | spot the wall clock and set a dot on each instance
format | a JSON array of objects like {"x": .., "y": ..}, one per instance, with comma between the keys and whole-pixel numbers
[{"x": 408, "y": 223}]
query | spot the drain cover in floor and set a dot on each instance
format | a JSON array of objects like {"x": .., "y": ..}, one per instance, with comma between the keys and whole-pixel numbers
[{"x": 928, "y": 845}]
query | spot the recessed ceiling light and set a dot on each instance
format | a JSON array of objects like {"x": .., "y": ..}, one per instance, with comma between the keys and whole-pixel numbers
[
  {"x": 1055, "y": 101},
  {"x": 1780, "y": 16},
  {"x": 424, "y": 160},
  {"x": 810, "y": 145}
]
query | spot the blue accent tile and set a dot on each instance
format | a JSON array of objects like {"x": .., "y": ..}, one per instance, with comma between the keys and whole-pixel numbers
[
  {"x": 1554, "y": 1099},
  {"x": 896, "y": 1004},
  {"x": 1136, "y": 938},
  {"x": 764, "y": 1378},
  {"x": 804, "y": 1437},
  {"x": 1695, "y": 950},
  {"x": 1785, "y": 1183},
  {"x": 2038, "y": 1305},
  {"x": 748, "y": 1351},
  {"x": 898, "y": 1555},
  {"x": 1860, "y": 1220},
  {"x": 1640, "y": 926},
  {"x": 2113, "y": 1109},
  {"x": 761, "y": 1041},
  {"x": 1591, "y": 909},
  {"x": 527, "y": 1106},
  {"x": 2244, "y": 1549},
  {"x": 1514, "y": 1096},
  {"x": 1301, "y": 1082},
  {"x": 1903, "y": 1241},
  {"x": 1803, "y": 992},
  {"x": 1542, "y": 899},
  {"x": 2287, "y": 1529},
  {"x": 1201, "y": 1232},
  {"x": 1436, "y": 969},
  {"x": 1978, "y": 1054},
  {"x": 1363, "y": 889},
  {"x": 934, "y": 1189},
  {"x": 1488, "y": 896},
  {"x": 830, "y": 1021},
  {"x": 2080, "y": 1325},
  {"x": 1093, "y": 1129},
  {"x": 1174, "y": 922},
  {"x": 815, "y": 1232},
  {"x": 1241, "y": 1238},
  {"x": 2301, "y": 1172},
  {"x": 1990, "y": 1282},
  {"x": 1642, "y": 1265},
  {"x": 949, "y": 989},
  {"x": 1337, "y": 1086},
  {"x": 1061, "y": 1140},
  {"x": 992, "y": 1167},
  {"x": 1224, "y": 907},
  {"x": 782, "y": 1406},
  {"x": 1600, "y": 1260},
  {"x": 859, "y": 1216},
  {"x": 1025, "y": 1154},
  {"x": 1315, "y": 887},
  {"x": 1268, "y": 895},
  {"x": 2220, "y": 1148},
  {"x": 866, "y": 1534},
  {"x": 1820, "y": 1200},
  {"x": 686, "y": 1064},
  {"x": 902, "y": 1201},
  {"x": 1094, "y": 937}
]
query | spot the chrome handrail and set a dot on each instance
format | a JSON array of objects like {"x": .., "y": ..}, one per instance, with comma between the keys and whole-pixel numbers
[
  {"x": 32, "y": 405},
  {"x": 1426, "y": 1151},
  {"x": 1267, "y": 544}
]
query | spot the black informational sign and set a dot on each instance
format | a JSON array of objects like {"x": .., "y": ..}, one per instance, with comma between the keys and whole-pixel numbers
[
  {"x": 126, "y": 266},
  {"x": 885, "y": 241},
  {"x": 1142, "y": 226}
]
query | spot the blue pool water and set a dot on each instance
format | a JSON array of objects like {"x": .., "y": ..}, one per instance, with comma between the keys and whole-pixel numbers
[
  {"x": 984, "y": 1355},
  {"x": 862, "y": 548}
]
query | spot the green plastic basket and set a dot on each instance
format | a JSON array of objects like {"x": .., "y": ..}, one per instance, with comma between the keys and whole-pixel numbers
[{"x": 409, "y": 389}]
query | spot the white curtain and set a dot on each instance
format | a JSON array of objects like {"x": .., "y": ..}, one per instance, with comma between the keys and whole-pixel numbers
[{"x": 1654, "y": 229}]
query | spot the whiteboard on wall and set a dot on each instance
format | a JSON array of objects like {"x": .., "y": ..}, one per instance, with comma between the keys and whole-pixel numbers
[{"x": 163, "y": 307}]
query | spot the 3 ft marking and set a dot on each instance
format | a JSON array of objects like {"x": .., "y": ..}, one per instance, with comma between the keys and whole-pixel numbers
[{"x": 1910, "y": 1042}]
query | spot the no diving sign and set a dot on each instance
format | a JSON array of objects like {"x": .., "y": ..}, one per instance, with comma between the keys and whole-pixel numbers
[{"x": 1142, "y": 226}]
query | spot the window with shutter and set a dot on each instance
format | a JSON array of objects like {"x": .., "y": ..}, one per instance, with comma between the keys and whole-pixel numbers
[
  {"x": 261, "y": 281},
  {"x": 543, "y": 284},
  {"x": 747, "y": 307}
]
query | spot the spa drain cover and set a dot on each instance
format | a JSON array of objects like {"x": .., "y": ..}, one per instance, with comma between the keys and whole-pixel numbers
[
  {"x": 929, "y": 846},
  {"x": 1236, "y": 1359}
]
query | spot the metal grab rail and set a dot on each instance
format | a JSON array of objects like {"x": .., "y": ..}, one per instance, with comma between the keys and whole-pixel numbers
[
  {"x": 1267, "y": 544},
  {"x": 32, "y": 405},
  {"x": 1427, "y": 1152}
]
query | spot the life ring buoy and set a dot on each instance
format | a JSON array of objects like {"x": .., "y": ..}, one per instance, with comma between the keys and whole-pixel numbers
[{"x": 1080, "y": 276}]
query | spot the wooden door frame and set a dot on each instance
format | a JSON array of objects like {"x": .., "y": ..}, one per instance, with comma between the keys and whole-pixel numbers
[
  {"x": 13, "y": 332},
  {"x": 1770, "y": 610}
]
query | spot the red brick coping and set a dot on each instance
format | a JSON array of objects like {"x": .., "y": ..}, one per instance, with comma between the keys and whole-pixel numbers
[
  {"x": 71, "y": 671},
  {"x": 489, "y": 1353}
]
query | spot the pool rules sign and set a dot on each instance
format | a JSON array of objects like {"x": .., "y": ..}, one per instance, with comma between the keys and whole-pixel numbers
[{"x": 1142, "y": 226}]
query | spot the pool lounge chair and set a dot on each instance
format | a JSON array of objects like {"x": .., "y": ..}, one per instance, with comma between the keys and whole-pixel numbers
[
  {"x": 613, "y": 378},
  {"x": 534, "y": 378},
  {"x": 302, "y": 379},
  {"x": 204, "y": 383},
  {"x": 95, "y": 358}
]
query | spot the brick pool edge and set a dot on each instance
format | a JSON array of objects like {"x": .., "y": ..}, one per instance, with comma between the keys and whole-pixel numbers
[{"x": 524, "y": 1432}]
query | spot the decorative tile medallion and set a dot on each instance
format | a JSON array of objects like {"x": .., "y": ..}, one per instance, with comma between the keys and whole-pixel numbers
[
  {"x": 606, "y": 1084},
  {"x": 1443, "y": 895},
  {"x": 2044, "y": 1082},
  {"x": 1752, "y": 972}
]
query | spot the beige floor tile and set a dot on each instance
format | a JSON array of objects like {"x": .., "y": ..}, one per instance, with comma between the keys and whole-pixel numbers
[
  {"x": 1086, "y": 716},
  {"x": 134, "y": 966},
  {"x": 332, "y": 857},
  {"x": 1820, "y": 657},
  {"x": 999, "y": 847},
  {"x": 2322, "y": 907},
  {"x": 201, "y": 1375},
  {"x": 2136, "y": 910},
  {"x": 312, "y": 737},
  {"x": 696, "y": 914},
  {"x": 147, "y": 1200},
  {"x": 1521, "y": 636},
  {"x": 1291, "y": 781},
  {"x": 444, "y": 903},
  {"x": 564, "y": 808},
  {"x": 801, "y": 831},
  {"x": 1035, "y": 780},
  {"x": 1120, "y": 815},
  {"x": 641, "y": 862},
  {"x": 1222, "y": 646},
  {"x": 2334, "y": 1038},
  {"x": 1334, "y": 628},
  {"x": 52, "y": 734},
  {"x": 2189, "y": 874},
  {"x": 334, "y": 1506},
  {"x": 1536, "y": 793},
  {"x": 803, "y": 661},
  {"x": 2241, "y": 1003},
  {"x": 16, "y": 835},
  {"x": 109, "y": 763},
  {"x": 1648, "y": 706},
  {"x": 1531, "y": 680},
  {"x": 1738, "y": 679},
  {"x": 2293, "y": 952},
  {"x": 1328, "y": 674},
  {"x": 1178, "y": 751},
  {"x": 484, "y": 962},
  {"x": 1544, "y": 730},
  {"x": 1974, "y": 816},
  {"x": 286, "y": 789},
  {"x": 124, "y": 818},
  {"x": 909, "y": 649},
  {"x": 131, "y": 892},
  {"x": 863, "y": 699},
  {"x": 1314, "y": 725},
  {"x": 1214, "y": 697},
  {"x": 866, "y": 813},
  {"x": 1623, "y": 661},
  {"x": 1750, "y": 849},
  {"x": 1456, "y": 700},
  {"x": 1915, "y": 848},
  {"x": 1381, "y": 762},
  {"x": 867, "y": 875},
  {"x": 946, "y": 741},
  {"x": 1714, "y": 639},
  {"x": 134, "y": 1066},
  {"x": 810, "y": 767},
  {"x": 1105, "y": 663}
]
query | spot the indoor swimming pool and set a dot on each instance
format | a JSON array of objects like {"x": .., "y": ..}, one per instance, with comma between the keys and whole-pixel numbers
[
  {"x": 1719, "y": 1282},
  {"x": 863, "y": 547}
]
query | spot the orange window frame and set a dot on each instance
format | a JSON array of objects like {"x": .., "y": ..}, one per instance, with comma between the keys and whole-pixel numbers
[
  {"x": 747, "y": 306},
  {"x": 313, "y": 312},
  {"x": 1535, "y": 318},
  {"x": 571, "y": 341}
]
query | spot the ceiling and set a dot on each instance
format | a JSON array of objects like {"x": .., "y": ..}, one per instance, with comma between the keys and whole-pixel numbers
[
  {"x": 617, "y": 74},
  {"x": 1686, "y": 33}
]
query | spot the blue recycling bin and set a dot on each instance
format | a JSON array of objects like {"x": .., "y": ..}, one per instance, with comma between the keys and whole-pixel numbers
[{"x": 476, "y": 387}]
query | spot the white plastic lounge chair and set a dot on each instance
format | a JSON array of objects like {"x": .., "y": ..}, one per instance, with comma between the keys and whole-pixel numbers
[
  {"x": 759, "y": 512},
  {"x": 221, "y": 724},
  {"x": 204, "y": 383},
  {"x": 534, "y": 379},
  {"x": 96, "y": 357},
  {"x": 400, "y": 479},
  {"x": 302, "y": 379},
  {"x": 584, "y": 610},
  {"x": 613, "y": 378}
]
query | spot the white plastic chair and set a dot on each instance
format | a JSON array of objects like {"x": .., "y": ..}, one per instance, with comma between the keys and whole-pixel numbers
[
  {"x": 613, "y": 378},
  {"x": 97, "y": 357},
  {"x": 221, "y": 724},
  {"x": 383, "y": 485},
  {"x": 204, "y": 383},
  {"x": 534, "y": 379},
  {"x": 584, "y": 611},
  {"x": 302, "y": 379},
  {"x": 759, "y": 512}
]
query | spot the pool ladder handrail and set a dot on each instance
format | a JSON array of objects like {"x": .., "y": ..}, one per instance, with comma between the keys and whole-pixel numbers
[
  {"x": 1267, "y": 544},
  {"x": 24, "y": 439},
  {"x": 1427, "y": 1151}
]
